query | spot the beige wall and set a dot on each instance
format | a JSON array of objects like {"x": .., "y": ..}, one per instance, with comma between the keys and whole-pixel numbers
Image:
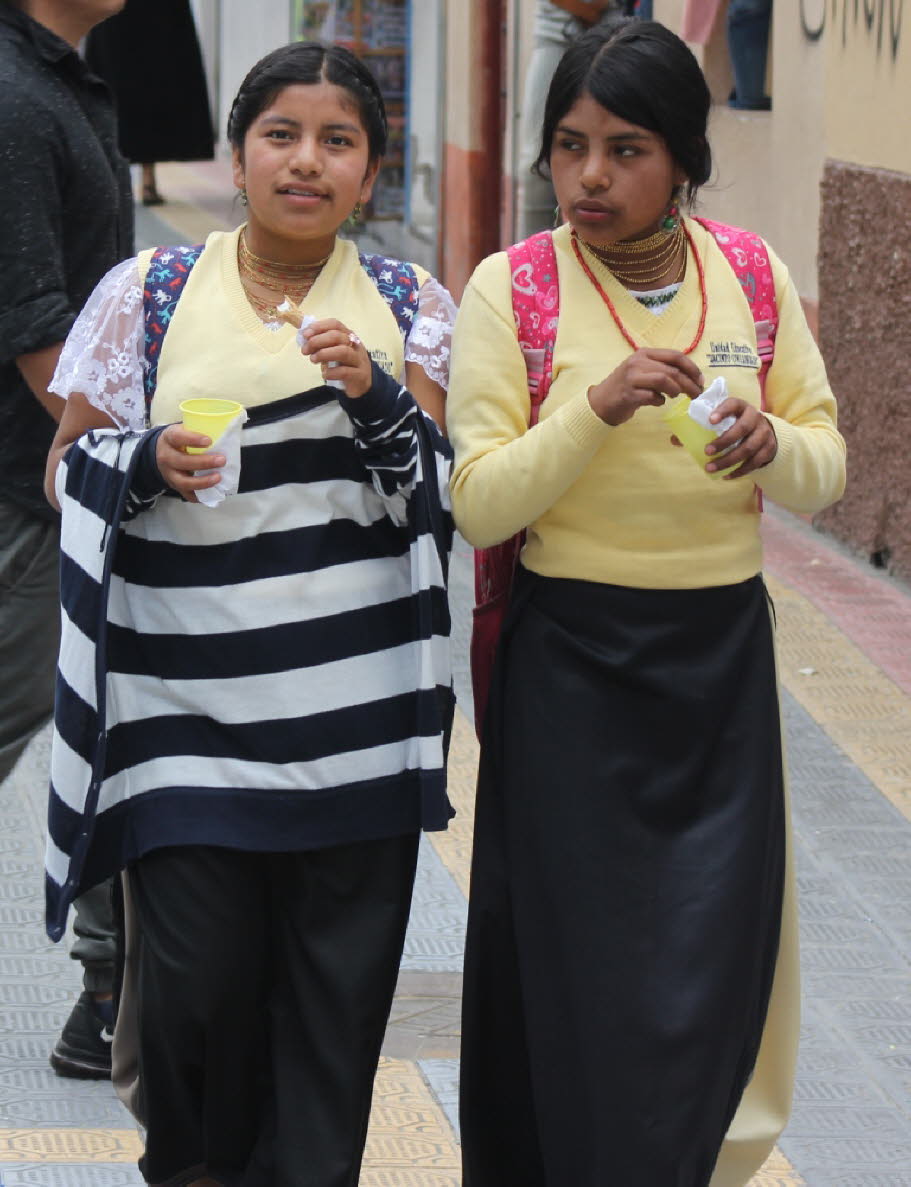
[
  {"x": 768, "y": 165},
  {"x": 462, "y": 75},
  {"x": 868, "y": 83}
]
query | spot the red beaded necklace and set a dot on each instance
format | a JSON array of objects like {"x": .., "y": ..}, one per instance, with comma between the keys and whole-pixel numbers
[{"x": 613, "y": 312}]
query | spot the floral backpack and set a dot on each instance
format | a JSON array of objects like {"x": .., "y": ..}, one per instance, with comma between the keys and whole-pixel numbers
[{"x": 536, "y": 309}]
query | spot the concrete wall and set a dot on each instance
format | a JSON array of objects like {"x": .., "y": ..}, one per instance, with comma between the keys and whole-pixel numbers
[
  {"x": 246, "y": 33},
  {"x": 427, "y": 97},
  {"x": 865, "y": 271},
  {"x": 768, "y": 164},
  {"x": 868, "y": 81},
  {"x": 471, "y": 214}
]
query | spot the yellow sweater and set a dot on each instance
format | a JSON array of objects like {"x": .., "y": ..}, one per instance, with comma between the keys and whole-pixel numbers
[
  {"x": 217, "y": 346},
  {"x": 623, "y": 505}
]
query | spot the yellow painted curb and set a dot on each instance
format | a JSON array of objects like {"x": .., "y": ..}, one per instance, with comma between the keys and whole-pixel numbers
[
  {"x": 70, "y": 1145},
  {"x": 454, "y": 845},
  {"x": 410, "y": 1142},
  {"x": 777, "y": 1172},
  {"x": 857, "y": 705}
]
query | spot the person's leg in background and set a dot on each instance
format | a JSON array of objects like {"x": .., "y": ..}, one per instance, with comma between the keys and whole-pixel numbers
[
  {"x": 29, "y": 641},
  {"x": 748, "y": 26},
  {"x": 29, "y": 628},
  {"x": 83, "y": 1050}
]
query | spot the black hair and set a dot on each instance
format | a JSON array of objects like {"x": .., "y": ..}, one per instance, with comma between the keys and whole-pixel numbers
[
  {"x": 643, "y": 73},
  {"x": 309, "y": 62}
]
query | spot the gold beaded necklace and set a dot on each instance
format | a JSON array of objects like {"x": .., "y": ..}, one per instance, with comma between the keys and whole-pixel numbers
[
  {"x": 291, "y": 280},
  {"x": 647, "y": 260}
]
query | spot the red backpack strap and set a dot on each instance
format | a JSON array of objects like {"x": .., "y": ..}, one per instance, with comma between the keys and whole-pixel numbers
[
  {"x": 536, "y": 309},
  {"x": 749, "y": 258}
]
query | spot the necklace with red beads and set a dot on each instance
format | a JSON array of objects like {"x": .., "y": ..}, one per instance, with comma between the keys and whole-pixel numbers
[{"x": 610, "y": 305}]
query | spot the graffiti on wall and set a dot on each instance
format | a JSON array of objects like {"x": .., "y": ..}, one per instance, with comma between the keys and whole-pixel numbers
[{"x": 879, "y": 20}]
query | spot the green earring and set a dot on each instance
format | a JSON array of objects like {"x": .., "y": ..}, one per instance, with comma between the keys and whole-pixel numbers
[
  {"x": 558, "y": 217},
  {"x": 671, "y": 220},
  {"x": 354, "y": 217}
]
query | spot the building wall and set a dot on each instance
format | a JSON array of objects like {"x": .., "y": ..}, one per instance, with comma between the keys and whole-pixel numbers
[
  {"x": 865, "y": 271},
  {"x": 246, "y": 33},
  {"x": 471, "y": 205},
  {"x": 768, "y": 164}
]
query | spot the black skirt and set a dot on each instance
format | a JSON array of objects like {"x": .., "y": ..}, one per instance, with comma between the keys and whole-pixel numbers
[
  {"x": 149, "y": 56},
  {"x": 626, "y": 885}
]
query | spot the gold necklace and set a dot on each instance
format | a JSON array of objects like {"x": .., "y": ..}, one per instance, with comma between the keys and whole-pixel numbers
[
  {"x": 648, "y": 260},
  {"x": 291, "y": 280}
]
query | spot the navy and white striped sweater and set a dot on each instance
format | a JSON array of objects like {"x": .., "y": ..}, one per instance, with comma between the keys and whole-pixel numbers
[{"x": 274, "y": 672}]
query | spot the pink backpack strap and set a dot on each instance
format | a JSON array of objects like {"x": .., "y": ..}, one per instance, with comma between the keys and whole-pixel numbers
[
  {"x": 536, "y": 309},
  {"x": 749, "y": 258}
]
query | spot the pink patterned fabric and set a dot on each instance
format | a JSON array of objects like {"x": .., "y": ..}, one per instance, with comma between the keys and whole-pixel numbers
[{"x": 536, "y": 308}]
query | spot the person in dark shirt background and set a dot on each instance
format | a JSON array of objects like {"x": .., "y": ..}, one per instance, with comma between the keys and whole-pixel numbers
[{"x": 66, "y": 217}]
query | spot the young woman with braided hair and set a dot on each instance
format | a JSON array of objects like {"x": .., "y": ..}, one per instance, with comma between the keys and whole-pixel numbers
[{"x": 272, "y": 676}]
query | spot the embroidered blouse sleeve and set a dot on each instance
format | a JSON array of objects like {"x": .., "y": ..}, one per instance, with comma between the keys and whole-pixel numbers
[
  {"x": 430, "y": 338},
  {"x": 103, "y": 356}
]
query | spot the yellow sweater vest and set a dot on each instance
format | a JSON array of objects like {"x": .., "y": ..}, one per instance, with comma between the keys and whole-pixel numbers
[{"x": 217, "y": 346}]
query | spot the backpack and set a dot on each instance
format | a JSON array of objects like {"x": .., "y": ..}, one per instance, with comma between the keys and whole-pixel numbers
[
  {"x": 536, "y": 309},
  {"x": 169, "y": 270}
]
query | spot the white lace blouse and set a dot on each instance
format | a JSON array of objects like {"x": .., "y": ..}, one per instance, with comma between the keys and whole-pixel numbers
[{"x": 103, "y": 357}]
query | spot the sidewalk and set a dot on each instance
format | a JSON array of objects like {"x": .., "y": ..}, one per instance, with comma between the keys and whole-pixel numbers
[{"x": 845, "y": 651}]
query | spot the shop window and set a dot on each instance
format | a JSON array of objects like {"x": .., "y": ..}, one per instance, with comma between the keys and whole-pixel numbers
[{"x": 377, "y": 31}]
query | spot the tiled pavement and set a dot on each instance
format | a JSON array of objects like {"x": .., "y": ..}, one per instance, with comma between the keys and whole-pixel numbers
[{"x": 845, "y": 648}]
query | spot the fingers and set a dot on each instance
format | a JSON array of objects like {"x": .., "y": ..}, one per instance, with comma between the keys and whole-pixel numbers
[
  {"x": 341, "y": 355},
  {"x": 179, "y": 469},
  {"x": 329, "y": 341},
  {"x": 748, "y": 445},
  {"x": 690, "y": 377}
]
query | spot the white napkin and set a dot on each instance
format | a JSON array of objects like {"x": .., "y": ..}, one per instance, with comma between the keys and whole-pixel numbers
[
  {"x": 704, "y": 405},
  {"x": 308, "y": 320},
  {"x": 228, "y": 444}
]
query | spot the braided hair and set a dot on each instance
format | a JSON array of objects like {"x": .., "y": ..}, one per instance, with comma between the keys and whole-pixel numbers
[{"x": 309, "y": 62}]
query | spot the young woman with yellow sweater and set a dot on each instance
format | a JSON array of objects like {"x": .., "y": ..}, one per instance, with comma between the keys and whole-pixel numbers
[
  {"x": 253, "y": 697},
  {"x": 630, "y": 1009}
]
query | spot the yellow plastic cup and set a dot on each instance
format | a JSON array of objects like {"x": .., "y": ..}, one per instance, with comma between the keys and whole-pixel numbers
[
  {"x": 692, "y": 435},
  {"x": 211, "y": 417}
]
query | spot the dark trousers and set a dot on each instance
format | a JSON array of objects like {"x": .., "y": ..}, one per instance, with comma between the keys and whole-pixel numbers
[
  {"x": 29, "y": 641},
  {"x": 29, "y": 628},
  {"x": 264, "y": 984}
]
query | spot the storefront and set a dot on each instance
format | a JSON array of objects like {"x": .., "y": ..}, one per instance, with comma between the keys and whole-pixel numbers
[{"x": 378, "y": 32}]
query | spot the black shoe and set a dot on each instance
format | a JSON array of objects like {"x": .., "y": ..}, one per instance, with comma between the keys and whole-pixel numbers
[{"x": 83, "y": 1050}]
